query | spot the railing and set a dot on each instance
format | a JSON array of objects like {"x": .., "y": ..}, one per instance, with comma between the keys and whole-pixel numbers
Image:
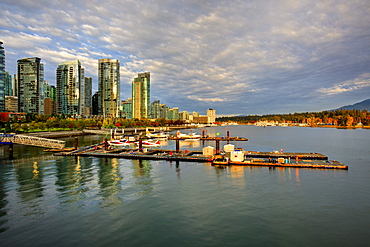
[{"x": 32, "y": 141}]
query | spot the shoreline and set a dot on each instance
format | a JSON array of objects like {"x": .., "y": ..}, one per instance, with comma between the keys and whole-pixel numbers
[{"x": 71, "y": 133}]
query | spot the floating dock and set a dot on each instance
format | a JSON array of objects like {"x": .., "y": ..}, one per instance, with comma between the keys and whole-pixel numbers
[
  {"x": 329, "y": 164},
  {"x": 209, "y": 138},
  {"x": 126, "y": 153},
  {"x": 250, "y": 158}
]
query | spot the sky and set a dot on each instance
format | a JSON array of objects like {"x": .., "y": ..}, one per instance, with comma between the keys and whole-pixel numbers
[{"x": 237, "y": 57}]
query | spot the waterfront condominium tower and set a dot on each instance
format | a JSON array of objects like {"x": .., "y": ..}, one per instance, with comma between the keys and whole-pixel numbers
[
  {"x": 88, "y": 95},
  {"x": 70, "y": 92},
  {"x": 31, "y": 85},
  {"x": 109, "y": 87},
  {"x": 2, "y": 78},
  {"x": 141, "y": 96}
]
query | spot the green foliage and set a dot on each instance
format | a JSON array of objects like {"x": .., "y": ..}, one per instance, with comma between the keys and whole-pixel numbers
[{"x": 339, "y": 116}]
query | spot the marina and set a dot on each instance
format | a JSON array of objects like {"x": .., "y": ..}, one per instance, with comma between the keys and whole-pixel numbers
[{"x": 229, "y": 156}]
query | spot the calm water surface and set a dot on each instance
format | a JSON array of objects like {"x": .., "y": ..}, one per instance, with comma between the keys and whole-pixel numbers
[{"x": 47, "y": 200}]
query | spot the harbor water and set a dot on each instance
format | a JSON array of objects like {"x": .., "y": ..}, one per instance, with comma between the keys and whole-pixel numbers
[{"x": 48, "y": 200}]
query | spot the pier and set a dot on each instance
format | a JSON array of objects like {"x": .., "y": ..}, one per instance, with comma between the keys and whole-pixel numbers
[{"x": 305, "y": 160}]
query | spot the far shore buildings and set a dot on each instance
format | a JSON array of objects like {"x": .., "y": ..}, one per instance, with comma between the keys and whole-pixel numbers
[
  {"x": 109, "y": 87},
  {"x": 28, "y": 92},
  {"x": 30, "y": 85}
]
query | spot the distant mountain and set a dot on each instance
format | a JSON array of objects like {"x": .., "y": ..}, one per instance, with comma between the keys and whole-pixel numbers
[{"x": 363, "y": 105}]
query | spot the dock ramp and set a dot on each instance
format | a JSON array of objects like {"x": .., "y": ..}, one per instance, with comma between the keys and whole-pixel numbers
[{"x": 31, "y": 140}]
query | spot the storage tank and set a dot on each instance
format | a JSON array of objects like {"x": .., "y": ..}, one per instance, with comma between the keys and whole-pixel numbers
[
  {"x": 209, "y": 151},
  {"x": 229, "y": 148},
  {"x": 237, "y": 156}
]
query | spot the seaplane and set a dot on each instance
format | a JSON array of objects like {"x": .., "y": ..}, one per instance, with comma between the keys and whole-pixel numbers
[
  {"x": 120, "y": 142},
  {"x": 159, "y": 135},
  {"x": 188, "y": 137},
  {"x": 149, "y": 143}
]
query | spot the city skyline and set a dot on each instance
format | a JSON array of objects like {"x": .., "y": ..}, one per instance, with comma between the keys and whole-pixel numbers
[{"x": 239, "y": 57}]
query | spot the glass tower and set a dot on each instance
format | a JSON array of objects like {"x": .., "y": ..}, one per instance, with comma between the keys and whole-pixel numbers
[
  {"x": 31, "y": 85},
  {"x": 88, "y": 95},
  {"x": 109, "y": 87},
  {"x": 141, "y": 96},
  {"x": 70, "y": 94},
  {"x": 2, "y": 78}
]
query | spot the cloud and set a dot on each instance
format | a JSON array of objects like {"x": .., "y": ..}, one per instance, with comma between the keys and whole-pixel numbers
[
  {"x": 234, "y": 56},
  {"x": 357, "y": 84}
]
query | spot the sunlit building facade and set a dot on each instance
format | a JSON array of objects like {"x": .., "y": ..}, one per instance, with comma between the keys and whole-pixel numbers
[
  {"x": 141, "y": 96},
  {"x": 174, "y": 113},
  {"x": 164, "y": 111},
  {"x": 212, "y": 115},
  {"x": 70, "y": 97},
  {"x": 109, "y": 87},
  {"x": 30, "y": 85},
  {"x": 88, "y": 95},
  {"x": 11, "y": 103}
]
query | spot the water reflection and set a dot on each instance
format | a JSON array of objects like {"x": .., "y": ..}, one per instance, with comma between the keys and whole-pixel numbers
[
  {"x": 72, "y": 177},
  {"x": 109, "y": 181},
  {"x": 3, "y": 202},
  {"x": 178, "y": 169},
  {"x": 30, "y": 187},
  {"x": 189, "y": 144},
  {"x": 142, "y": 174}
]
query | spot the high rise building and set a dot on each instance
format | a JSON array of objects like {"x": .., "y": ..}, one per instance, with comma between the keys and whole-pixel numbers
[
  {"x": 70, "y": 97},
  {"x": 15, "y": 85},
  {"x": 8, "y": 87},
  {"x": 95, "y": 103},
  {"x": 155, "y": 107},
  {"x": 11, "y": 103},
  {"x": 30, "y": 85},
  {"x": 164, "y": 111},
  {"x": 141, "y": 96},
  {"x": 212, "y": 115},
  {"x": 88, "y": 95},
  {"x": 109, "y": 87},
  {"x": 2, "y": 78},
  {"x": 49, "y": 98},
  {"x": 184, "y": 115},
  {"x": 174, "y": 113},
  {"x": 127, "y": 108}
]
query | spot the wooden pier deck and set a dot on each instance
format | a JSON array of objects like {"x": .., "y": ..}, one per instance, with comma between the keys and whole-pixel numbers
[
  {"x": 154, "y": 154},
  {"x": 332, "y": 164},
  {"x": 267, "y": 159},
  {"x": 309, "y": 156},
  {"x": 210, "y": 138}
]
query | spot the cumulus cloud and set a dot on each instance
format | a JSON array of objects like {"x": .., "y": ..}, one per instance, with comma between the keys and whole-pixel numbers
[{"x": 242, "y": 57}]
